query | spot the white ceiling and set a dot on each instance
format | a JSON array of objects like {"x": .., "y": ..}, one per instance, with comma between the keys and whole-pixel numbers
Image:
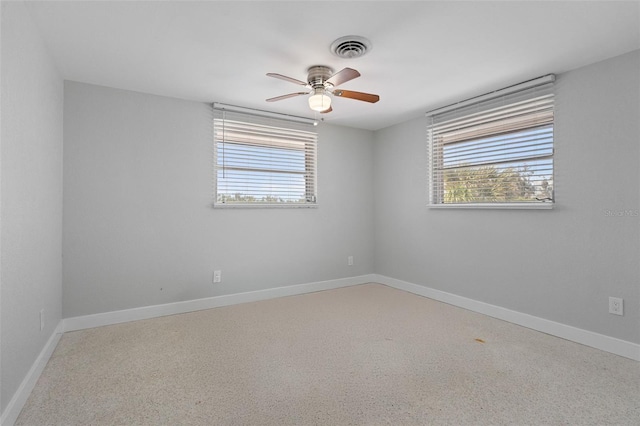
[{"x": 425, "y": 54}]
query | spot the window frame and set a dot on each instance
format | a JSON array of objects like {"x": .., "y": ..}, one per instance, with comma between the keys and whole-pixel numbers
[
  {"x": 281, "y": 124},
  {"x": 480, "y": 106}
]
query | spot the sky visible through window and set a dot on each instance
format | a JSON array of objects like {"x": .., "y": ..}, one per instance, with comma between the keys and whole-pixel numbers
[{"x": 257, "y": 173}]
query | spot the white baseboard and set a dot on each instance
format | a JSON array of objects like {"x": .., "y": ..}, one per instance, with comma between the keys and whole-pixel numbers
[
  {"x": 146, "y": 312},
  {"x": 11, "y": 413},
  {"x": 574, "y": 334}
]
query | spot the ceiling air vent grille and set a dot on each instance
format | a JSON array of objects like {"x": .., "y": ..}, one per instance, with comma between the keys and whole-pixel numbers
[{"x": 350, "y": 47}]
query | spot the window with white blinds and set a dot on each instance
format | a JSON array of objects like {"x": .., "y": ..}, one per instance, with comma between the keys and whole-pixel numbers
[
  {"x": 263, "y": 161},
  {"x": 494, "y": 153}
]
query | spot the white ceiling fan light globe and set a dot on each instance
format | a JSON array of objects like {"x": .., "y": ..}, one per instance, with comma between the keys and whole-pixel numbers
[{"x": 319, "y": 101}]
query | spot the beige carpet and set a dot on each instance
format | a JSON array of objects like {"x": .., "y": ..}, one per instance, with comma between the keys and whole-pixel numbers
[{"x": 363, "y": 355}]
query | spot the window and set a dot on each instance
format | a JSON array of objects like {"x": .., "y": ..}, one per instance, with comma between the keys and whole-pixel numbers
[
  {"x": 263, "y": 161},
  {"x": 495, "y": 150}
]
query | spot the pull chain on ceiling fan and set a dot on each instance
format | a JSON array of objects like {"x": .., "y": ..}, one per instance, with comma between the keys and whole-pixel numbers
[{"x": 321, "y": 83}]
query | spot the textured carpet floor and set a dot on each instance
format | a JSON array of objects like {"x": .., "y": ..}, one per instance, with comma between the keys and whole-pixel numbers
[{"x": 363, "y": 355}]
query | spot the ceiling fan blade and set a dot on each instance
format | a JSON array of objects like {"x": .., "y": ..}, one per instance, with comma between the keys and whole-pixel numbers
[
  {"x": 360, "y": 96},
  {"x": 343, "y": 76},
  {"x": 326, "y": 110},
  {"x": 290, "y": 95},
  {"x": 285, "y": 78}
]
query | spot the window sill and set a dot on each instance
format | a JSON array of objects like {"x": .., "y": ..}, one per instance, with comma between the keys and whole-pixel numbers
[
  {"x": 504, "y": 206},
  {"x": 264, "y": 206}
]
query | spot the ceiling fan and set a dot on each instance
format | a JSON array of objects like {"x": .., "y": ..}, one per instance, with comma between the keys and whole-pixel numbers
[{"x": 321, "y": 82}]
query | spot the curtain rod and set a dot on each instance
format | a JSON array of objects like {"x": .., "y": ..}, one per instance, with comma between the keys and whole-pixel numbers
[
  {"x": 262, "y": 113},
  {"x": 538, "y": 81}
]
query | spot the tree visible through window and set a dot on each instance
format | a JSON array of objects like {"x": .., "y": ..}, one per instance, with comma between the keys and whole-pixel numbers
[{"x": 497, "y": 152}]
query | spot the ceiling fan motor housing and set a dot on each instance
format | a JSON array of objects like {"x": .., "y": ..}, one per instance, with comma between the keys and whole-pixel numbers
[{"x": 318, "y": 75}]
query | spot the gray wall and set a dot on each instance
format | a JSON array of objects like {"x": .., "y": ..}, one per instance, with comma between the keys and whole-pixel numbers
[
  {"x": 561, "y": 264},
  {"x": 31, "y": 197},
  {"x": 139, "y": 228}
]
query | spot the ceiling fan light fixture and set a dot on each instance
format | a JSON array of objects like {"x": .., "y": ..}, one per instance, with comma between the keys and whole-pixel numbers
[{"x": 319, "y": 101}]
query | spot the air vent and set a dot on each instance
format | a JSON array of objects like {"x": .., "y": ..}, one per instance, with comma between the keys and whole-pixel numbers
[{"x": 350, "y": 47}]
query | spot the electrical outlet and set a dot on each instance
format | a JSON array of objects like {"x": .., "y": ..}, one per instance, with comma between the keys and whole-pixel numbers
[
  {"x": 41, "y": 319},
  {"x": 217, "y": 276},
  {"x": 616, "y": 306},
  {"x": 350, "y": 260}
]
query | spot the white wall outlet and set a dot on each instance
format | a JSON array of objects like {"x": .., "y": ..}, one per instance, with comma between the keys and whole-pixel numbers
[
  {"x": 41, "y": 319},
  {"x": 350, "y": 260},
  {"x": 615, "y": 306},
  {"x": 217, "y": 276}
]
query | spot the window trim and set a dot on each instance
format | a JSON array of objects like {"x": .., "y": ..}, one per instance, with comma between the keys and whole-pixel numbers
[
  {"x": 281, "y": 119},
  {"x": 464, "y": 106},
  {"x": 517, "y": 206}
]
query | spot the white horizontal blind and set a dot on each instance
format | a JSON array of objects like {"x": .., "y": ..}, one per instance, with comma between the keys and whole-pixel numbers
[
  {"x": 498, "y": 151},
  {"x": 261, "y": 161}
]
